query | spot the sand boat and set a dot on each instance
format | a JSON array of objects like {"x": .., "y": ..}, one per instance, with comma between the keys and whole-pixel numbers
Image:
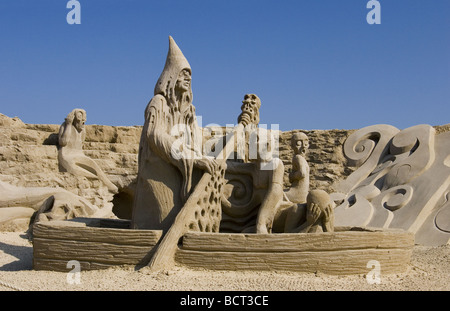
[
  {"x": 195, "y": 240},
  {"x": 104, "y": 243}
]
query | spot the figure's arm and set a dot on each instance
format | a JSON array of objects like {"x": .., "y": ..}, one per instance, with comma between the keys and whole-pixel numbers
[
  {"x": 201, "y": 161},
  {"x": 172, "y": 150},
  {"x": 301, "y": 169},
  {"x": 83, "y": 135},
  {"x": 64, "y": 134},
  {"x": 234, "y": 167},
  {"x": 278, "y": 171},
  {"x": 198, "y": 139},
  {"x": 328, "y": 218}
]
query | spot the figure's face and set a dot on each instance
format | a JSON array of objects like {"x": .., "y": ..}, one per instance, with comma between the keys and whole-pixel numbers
[
  {"x": 250, "y": 109},
  {"x": 300, "y": 146},
  {"x": 79, "y": 121},
  {"x": 184, "y": 81}
]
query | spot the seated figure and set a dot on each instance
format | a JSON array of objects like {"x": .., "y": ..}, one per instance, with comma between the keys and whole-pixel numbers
[
  {"x": 316, "y": 215},
  {"x": 263, "y": 171},
  {"x": 312, "y": 211},
  {"x": 267, "y": 184},
  {"x": 70, "y": 152}
]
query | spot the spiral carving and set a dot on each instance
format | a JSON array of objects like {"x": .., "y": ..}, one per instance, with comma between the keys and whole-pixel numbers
[
  {"x": 237, "y": 196},
  {"x": 416, "y": 145},
  {"x": 360, "y": 151},
  {"x": 365, "y": 147},
  {"x": 397, "y": 197}
]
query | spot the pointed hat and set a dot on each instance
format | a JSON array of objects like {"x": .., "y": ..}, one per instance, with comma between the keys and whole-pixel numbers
[{"x": 175, "y": 62}]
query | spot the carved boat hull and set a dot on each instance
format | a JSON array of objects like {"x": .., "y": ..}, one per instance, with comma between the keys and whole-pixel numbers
[
  {"x": 344, "y": 252},
  {"x": 105, "y": 243},
  {"x": 95, "y": 243}
]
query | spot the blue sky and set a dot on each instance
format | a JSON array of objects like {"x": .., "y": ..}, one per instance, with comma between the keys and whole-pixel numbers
[{"x": 314, "y": 64}]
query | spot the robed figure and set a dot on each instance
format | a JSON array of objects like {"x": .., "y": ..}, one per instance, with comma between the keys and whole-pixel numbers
[{"x": 170, "y": 151}]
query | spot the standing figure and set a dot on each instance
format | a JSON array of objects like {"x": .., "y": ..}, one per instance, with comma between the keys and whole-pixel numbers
[
  {"x": 170, "y": 150},
  {"x": 299, "y": 177},
  {"x": 71, "y": 157}
]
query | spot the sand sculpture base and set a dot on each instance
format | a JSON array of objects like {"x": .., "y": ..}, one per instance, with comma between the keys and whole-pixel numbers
[{"x": 103, "y": 243}]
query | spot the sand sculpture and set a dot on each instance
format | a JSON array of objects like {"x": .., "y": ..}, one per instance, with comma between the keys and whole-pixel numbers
[
  {"x": 41, "y": 204},
  {"x": 403, "y": 181},
  {"x": 22, "y": 205},
  {"x": 263, "y": 173},
  {"x": 70, "y": 153},
  {"x": 170, "y": 152},
  {"x": 299, "y": 177},
  {"x": 311, "y": 211},
  {"x": 231, "y": 211},
  {"x": 255, "y": 187}
]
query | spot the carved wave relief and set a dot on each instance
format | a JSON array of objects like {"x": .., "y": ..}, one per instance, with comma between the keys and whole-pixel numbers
[{"x": 400, "y": 181}]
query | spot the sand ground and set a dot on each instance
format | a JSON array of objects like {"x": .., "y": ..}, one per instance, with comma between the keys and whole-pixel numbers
[{"x": 429, "y": 271}]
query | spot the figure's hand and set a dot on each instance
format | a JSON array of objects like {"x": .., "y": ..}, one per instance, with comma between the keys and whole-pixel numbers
[
  {"x": 207, "y": 164},
  {"x": 70, "y": 118},
  {"x": 245, "y": 119},
  {"x": 224, "y": 165},
  {"x": 328, "y": 217},
  {"x": 313, "y": 213},
  {"x": 328, "y": 213}
]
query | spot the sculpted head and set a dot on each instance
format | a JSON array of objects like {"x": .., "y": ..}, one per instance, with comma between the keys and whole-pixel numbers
[
  {"x": 250, "y": 110},
  {"x": 77, "y": 118},
  {"x": 299, "y": 143},
  {"x": 175, "y": 79},
  {"x": 183, "y": 83}
]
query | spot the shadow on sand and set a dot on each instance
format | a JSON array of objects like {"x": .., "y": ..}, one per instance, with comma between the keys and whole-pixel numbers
[{"x": 24, "y": 255}]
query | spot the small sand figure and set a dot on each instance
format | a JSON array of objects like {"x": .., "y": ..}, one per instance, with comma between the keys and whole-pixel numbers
[
  {"x": 70, "y": 152},
  {"x": 319, "y": 213},
  {"x": 316, "y": 215},
  {"x": 299, "y": 177}
]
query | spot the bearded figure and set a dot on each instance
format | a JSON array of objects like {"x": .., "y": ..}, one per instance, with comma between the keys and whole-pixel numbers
[{"x": 170, "y": 150}]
